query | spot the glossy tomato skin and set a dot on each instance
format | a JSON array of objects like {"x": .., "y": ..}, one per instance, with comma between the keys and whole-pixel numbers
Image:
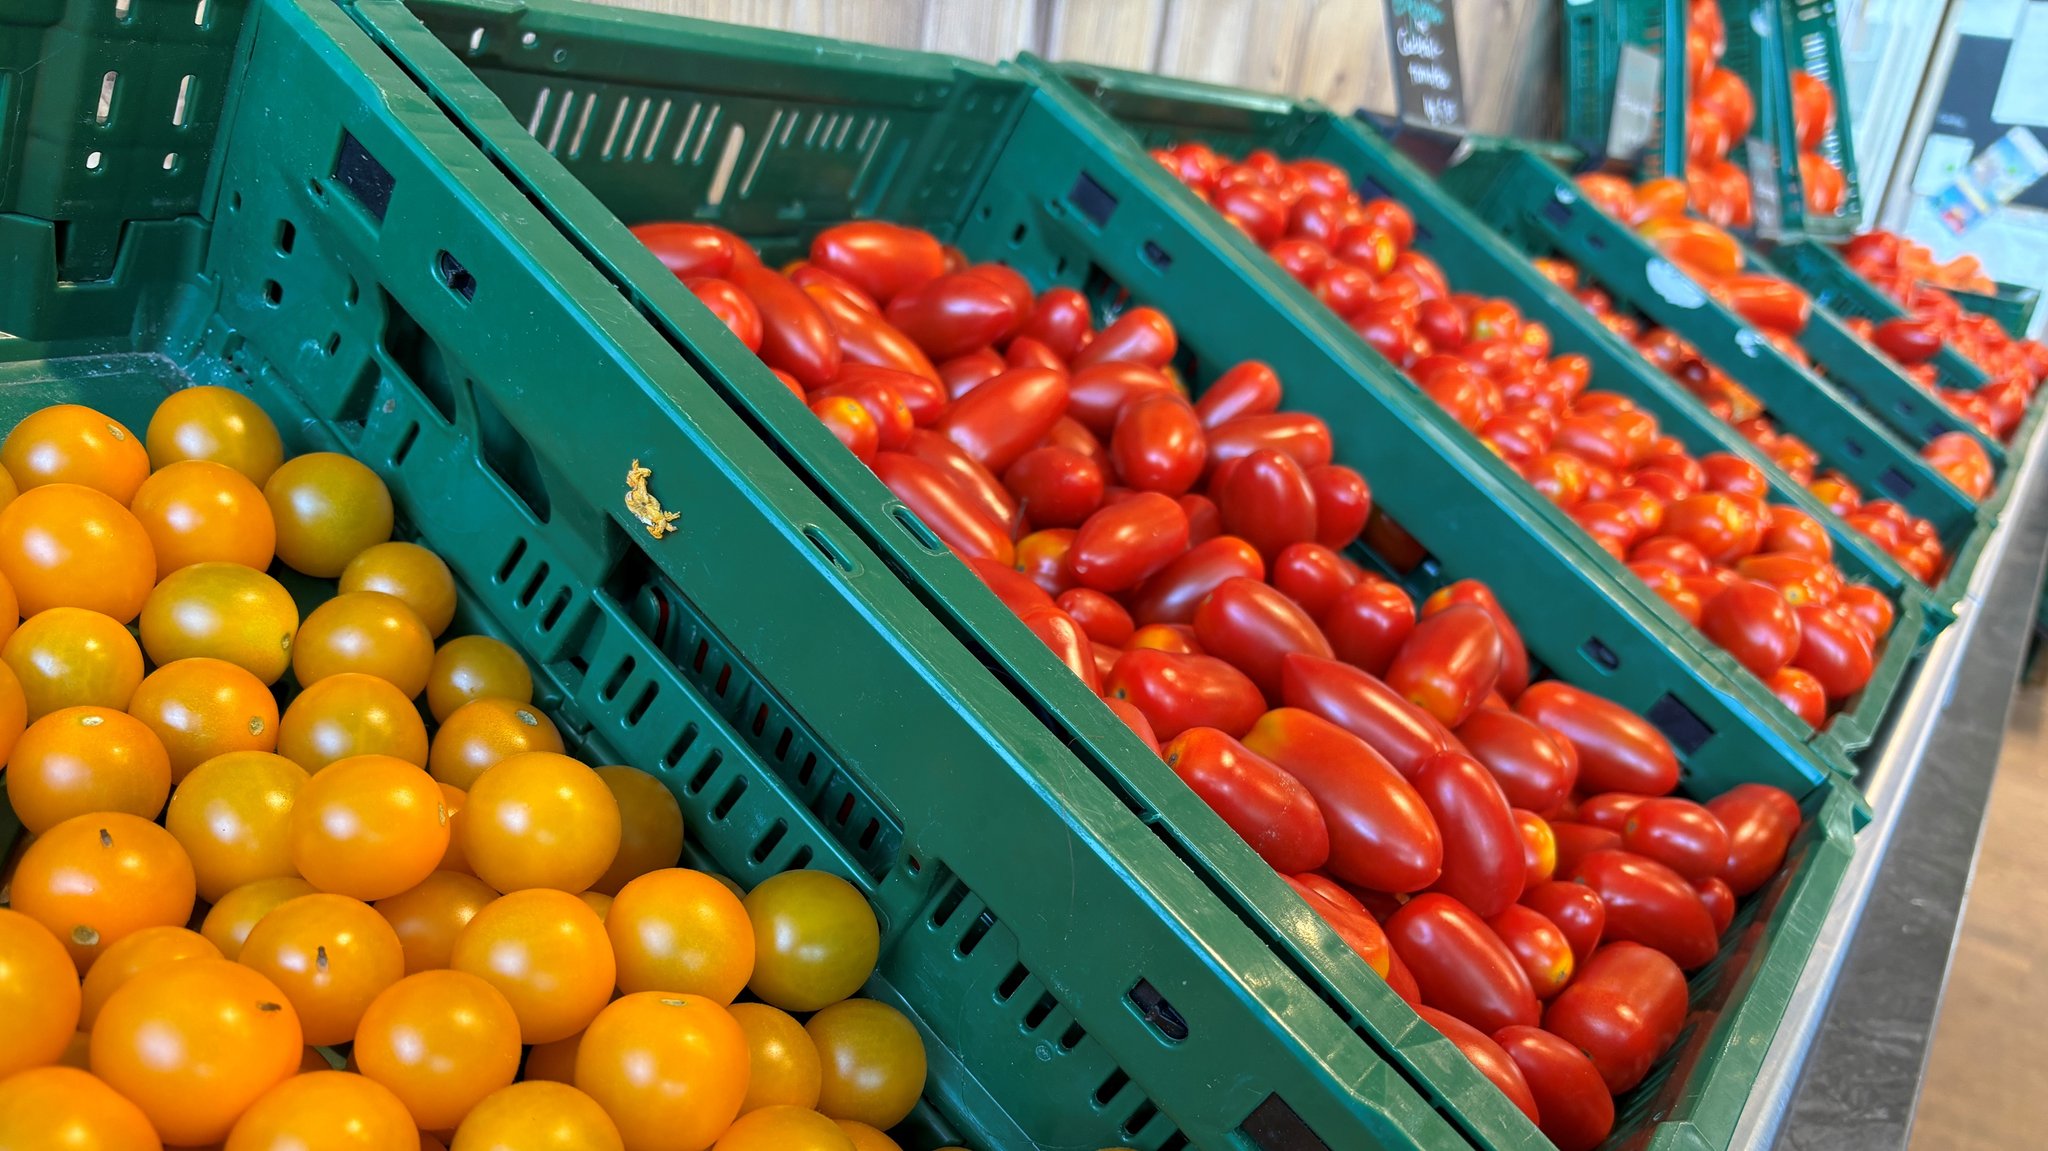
[
  {"x": 1006, "y": 416},
  {"x": 1056, "y": 487},
  {"x": 731, "y": 306},
  {"x": 1834, "y": 650},
  {"x": 693, "y": 251},
  {"x": 1011, "y": 586},
  {"x": 1514, "y": 656},
  {"x": 1366, "y": 707},
  {"x": 1382, "y": 835},
  {"x": 1449, "y": 663},
  {"x": 1368, "y": 622},
  {"x": 1486, "y": 1055},
  {"x": 1679, "y": 834},
  {"x": 1097, "y": 394},
  {"x": 1254, "y": 626},
  {"x": 1576, "y": 911},
  {"x": 1104, "y": 619},
  {"x": 1121, "y": 544},
  {"x": 1572, "y": 1104},
  {"x": 1061, "y": 321},
  {"x": 1462, "y": 967},
  {"x": 1139, "y": 336},
  {"x": 1313, "y": 576},
  {"x": 1177, "y": 692},
  {"x": 1267, "y": 807},
  {"x": 1042, "y": 557},
  {"x": 976, "y": 482},
  {"x": 1483, "y": 863},
  {"x": 1797, "y": 689},
  {"x": 882, "y": 259},
  {"x": 1247, "y": 389},
  {"x": 1753, "y": 623},
  {"x": 1650, "y": 904},
  {"x": 1624, "y": 1011},
  {"x": 1343, "y": 504},
  {"x": 1067, "y": 640},
  {"x": 1302, "y": 437},
  {"x": 1133, "y": 719},
  {"x": 955, "y": 313},
  {"x": 962, "y": 374},
  {"x": 952, "y": 515},
  {"x": 865, "y": 338},
  {"x": 795, "y": 335},
  {"x": 1576, "y": 841},
  {"x": 894, "y": 422},
  {"x": 1535, "y": 769},
  {"x": 1539, "y": 847},
  {"x": 1158, "y": 445},
  {"x": 1537, "y": 944},
  {"x": 1761, "y": 822},
  {"x": 1266, "y": 500},
  {"x": 1617, "y": 749},
  {"x": 1173, "y": 593},
  {"x": 1909, "y": 340}
]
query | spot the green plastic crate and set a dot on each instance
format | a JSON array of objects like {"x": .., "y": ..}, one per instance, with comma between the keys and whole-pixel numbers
[
  {"x": 1595, "y": 31},
  {"x": 1540, "y": 210},
  {"x": 2011, "y": 305},
  {"x": 1767, "y": 40},
  {"x": 348, "y": 260},
  {"x": 1836, "y": 286},
  {"x": 624, "y": 59},
  {"x": 1161, "y": 111}
]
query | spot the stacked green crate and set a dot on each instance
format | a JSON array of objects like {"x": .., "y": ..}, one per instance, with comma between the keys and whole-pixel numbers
[
  {"x": 1596, "y": 32},
  {"x": 821, "y": 132},
  {"x": 345, "y": 257}
]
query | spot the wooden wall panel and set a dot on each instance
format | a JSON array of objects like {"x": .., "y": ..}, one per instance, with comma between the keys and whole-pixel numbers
[{"x": 1334, "y": 51}]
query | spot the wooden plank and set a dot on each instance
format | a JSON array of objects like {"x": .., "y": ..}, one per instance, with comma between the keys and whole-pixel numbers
[
  {"x": 1253, "y": 44},
  {"x": 896, "y": 23},
  {"x": 982, "y": 29},
  {"x": 1119, "y": 33},
  {"x": 758, "y": 13},
  {"x": 1344, "y": 59}
]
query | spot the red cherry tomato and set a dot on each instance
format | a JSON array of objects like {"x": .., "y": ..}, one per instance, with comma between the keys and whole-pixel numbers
[
  {"x": 1055, "y": 486},
  {"x": 1624, "y": 1011},
  {"x": 956, "y": 313},
  {"x": 1177, "y": 692},
  {"x": 1483, "y": 863},
  {"x": 1833, "y": 649},
  {"x": 1573, "y": 1107},
  {"x": 1484, "y": 1054},
  {"x": 1248, "y": 389},
  {"x": 1006, "y": 416},
  {"x": 1266, "y": 806},
  {"x": 1539, "y": 948},
  {"x": 1303, "y": 437},
  {"x": 1449, "y": 663},
  {"x": 1266, "y": 499},
  {"x": 1800, "y": 691},
  {"x": 731, "y": 306},
  {"x": 1104, "y": 619},
  {"x": 1313, "y": 576},
  {"x": 1347, "y": 917},
  {"x": 1535, "y": 769},
  {"x": 1061, "y": 321},
  {"x": 795, "y": 334},
  {"x": 1254, "y": 626},
  {"x": 1617, "y": 749},
  {"x": 1576, "y": 841},
  {"x": 1648, "y": 903},
  {"x": 1753, "y": 623},
  {"x": 1462, "y": 967},
  {"x": 1368, "y": 623},
  {"x": 1360, "y": 703},
  {"x": 1139, "y": 336},
  {"x": 988, "y": 494},
  {"x": 1173, "y": 593},
  {"x": 1514, "y": 666},
  {"x": 1158, "y": 445},
  {"x": 950, "y": 513},
  {"x": 1343, "y": 504},
  {"x": 694, "y": 251},
  {"x": 882, "y": 259},
  {"x": 1096, "y": 394},
  {"x": 1679, "y": 834},
  {"x": 1122, "y": 543},
  {"x": 1719, "y": 900},
  {"x": 1575, "y": 909},
  {"x": 1068, "y": 641},
  {"x": 1761, "y": 822},
  {"x": 1382, "y": 835}
]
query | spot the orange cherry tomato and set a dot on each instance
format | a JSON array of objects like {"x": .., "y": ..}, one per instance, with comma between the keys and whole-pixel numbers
[
  {"x": 237, "y": 913},
  {"x": 368, "y": 826},
  {"x": 782, "y": 1058},
  {"x": 441, "y": 1041},
  {"x": 64, "y": 1107},
  {"x": 328, "y": 508},
  {"x": 71, "y": 657},
  {"x": 331, "y": 956},
  {"x": 540, "y": 819},
  {"x": 671, "y": 1070},
  {"x": 367, "y": 632},
  {"x": 74, "y": 444},
  {"x": 429, "y": 917},
  {"x": 80, "y": 760},
  {"x": 95, "y": 879},
  {"x": 222, "y": 611},
  {"x": 873, "y": 1061},
  {"x": 326, "y": 1109},
  {"x": 210, "y": 423},
  {"x": 650, "y": 827},
  {"x": 196, "y": 511},
  {"x": 205, "y": 708},
  {"x": 145, "y": 950},
  {"x": 677, "y": 931},
  {"x": 69, "y": 546},
  {"x": 483, "y": 733},
  {"x": 39, "y": 994},
  {"x": 351, "y": 714},
  {"x": 409, "y": 572}
]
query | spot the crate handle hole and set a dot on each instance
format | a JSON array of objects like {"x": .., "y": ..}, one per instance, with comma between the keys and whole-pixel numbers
[
  {"x": 1601, "y": 655},
  {"x": 1156, "y": 1010},
  {"x": 454, "y": 276},
  {"x": 199, "y": 14},
  {"x": 178, "y": 110},
  {"x": 286, "y": 235},
  {"x": 476, "y": 40},
  {"x": 1159, "y": 258},
  {"x": 831, "y": 551},
  {"x": 273, "y": 293},
  {"x": 528, "y": 39},
  {"x": 922, "y": 534},
  {"x": 170, "y": 161},
  {"x": 121, "y": 9},
  {"x": 93, "y": 160},
  {"x": 106, "y": 108}
]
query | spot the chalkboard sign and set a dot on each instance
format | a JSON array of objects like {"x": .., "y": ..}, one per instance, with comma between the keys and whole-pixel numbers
[{"x": 1427, "y": 78}]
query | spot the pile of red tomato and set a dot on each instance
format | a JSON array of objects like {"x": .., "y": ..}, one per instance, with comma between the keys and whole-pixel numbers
[
  {"x": 218, "y": 897},
  {"x": 1488, "y": 845},
  {"x": 1693, "y": 528},
  {"x": 1718, "y": 115},
  {"x": 1901, "y": 269}
]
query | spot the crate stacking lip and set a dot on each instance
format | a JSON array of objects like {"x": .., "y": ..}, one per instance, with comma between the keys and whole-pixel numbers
[
  {"x": 356, "y": 265},
  {"x": 1161, "y": 111},
  {"x": 488, "y": 64},
  {"x": 1539, "y": 210}
]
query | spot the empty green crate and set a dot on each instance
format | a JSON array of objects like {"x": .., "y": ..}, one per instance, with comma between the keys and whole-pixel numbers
[
  {"x": 1097, "y": 221},
  {"x": 347, "y": 259},
  {"x": 1595, "y": 32},
  {"x": 1540, "y": 210},
  {"x": 1161, "y": 111}
]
